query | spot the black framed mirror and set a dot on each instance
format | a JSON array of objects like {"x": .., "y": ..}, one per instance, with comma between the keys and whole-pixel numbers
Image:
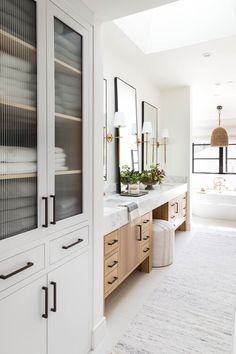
[
  {"x": 127, "y": 129},
  {"x": 149, "y": 135},
  {"x": 104, "y": 129}
]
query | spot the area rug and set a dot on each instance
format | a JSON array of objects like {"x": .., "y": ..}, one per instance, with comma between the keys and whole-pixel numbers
[{"x": 192, "y": 310}]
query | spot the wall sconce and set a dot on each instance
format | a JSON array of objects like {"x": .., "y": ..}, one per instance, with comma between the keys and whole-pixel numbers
[
  {"x": 147, "y": 129},
  {"x": 164, "y": 136},
  {"x": 134, "y": 132},
  {"x": 119, "y": 122}
]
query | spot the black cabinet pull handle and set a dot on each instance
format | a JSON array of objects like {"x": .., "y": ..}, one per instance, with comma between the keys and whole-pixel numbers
[
  {"x": 113, "y": 264},
  {"x": 140, "y": 232},
  {"x": 113, "y": 280},
  {"x": 53, "y": 222},
  {"x": 46, "y": 212},
  {"x": 173, "y": 204},
  {"x": 45, "y": 315},
  {"x": 54, "y": 308},
  {"x": 73, "y": 244},
  {"x": 172, "y": 217},
  {"x": 28, "y": 265},
  {"x": 146, "y": 238},
  {"x": 177, "y": 204},
  {"x": 112, "y": 242},
  {"x": 146, "y": 221},
  {"x": 146, "y": 250}
]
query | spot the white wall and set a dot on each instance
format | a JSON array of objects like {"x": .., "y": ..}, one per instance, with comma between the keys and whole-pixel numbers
[
  {"x": 175, "y": 115},
  {"x": 124, "y": 60}
]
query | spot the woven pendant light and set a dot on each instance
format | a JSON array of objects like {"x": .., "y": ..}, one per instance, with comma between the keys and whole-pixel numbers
[{"x": 219, "y": 136}]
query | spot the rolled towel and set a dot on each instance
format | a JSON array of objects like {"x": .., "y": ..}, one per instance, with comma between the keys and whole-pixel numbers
[
  {"x": 18, "y": 167},
  {"x": 17, "y": 154},
  {"x": 23, "y": 188},
  {"x": 11, "y": 61},
  {"x": 8, "y": 204}
]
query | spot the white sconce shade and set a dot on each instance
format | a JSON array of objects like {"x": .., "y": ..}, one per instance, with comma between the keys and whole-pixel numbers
[
  {"x": 165, "y": 133},
  {"x": 147, "y": 128},
  {"x": 119, "y": 120}
]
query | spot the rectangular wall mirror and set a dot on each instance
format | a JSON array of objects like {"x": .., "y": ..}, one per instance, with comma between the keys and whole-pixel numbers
[
  {"x": 127, "y": 129},
  {"x": 104, "y": 129},
  {"x": 149, "y": 134}
]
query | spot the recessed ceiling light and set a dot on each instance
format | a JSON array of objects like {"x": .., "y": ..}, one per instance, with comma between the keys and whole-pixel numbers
[
  {"x": 206, "y": 54},
  {"x": 230, "y": 82},
  {"x": 217, "y": 84},
  {"x": 216, "y": 94}
]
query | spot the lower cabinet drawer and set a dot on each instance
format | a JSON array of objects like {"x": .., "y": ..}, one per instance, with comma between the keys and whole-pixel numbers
[
  {"x": 145, "y": 250},
  {"x": 111, "y": 281},
  {"x": 111, "y": 263},
  {"x": 111, "y": 242},
  {"x": 21, "y": 266},
  {"x": 68, "y": 244}
]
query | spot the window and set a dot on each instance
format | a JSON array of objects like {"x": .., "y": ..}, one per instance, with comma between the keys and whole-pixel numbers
[{"x": 208, "y": 159}]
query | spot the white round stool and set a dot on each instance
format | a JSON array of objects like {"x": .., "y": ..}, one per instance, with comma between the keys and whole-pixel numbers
[{"x": 163, "y": 243}]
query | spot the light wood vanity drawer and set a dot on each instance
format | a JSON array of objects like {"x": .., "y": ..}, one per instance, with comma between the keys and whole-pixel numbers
[
  {"x": 146, "y": 235},
  {"x": 68, "y": 244},
  {"x": 111, "y": 242},
  {"x": 111, "y": 263},
  {"x": 145, "y": 250},
  {"x": 21, "y": 266},
  {"x": 111, "y": 281}
]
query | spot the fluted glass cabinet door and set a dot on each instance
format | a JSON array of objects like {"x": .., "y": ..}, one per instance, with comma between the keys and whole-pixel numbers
[
  {"x": 18, "y": 117},
  {"x": 68, "y": 47}
]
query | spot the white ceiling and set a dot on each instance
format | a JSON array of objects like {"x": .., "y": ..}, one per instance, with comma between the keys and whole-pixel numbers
[
  {"x": 108, "y": 10},
  {"x": 179, "y": 24}
]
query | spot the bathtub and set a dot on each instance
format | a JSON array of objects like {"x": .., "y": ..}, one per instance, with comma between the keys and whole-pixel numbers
[{"x": 214, "y": 205}]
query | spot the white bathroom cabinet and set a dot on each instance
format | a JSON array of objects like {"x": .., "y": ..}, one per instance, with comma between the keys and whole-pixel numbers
[{"x": 46, "y": 96}]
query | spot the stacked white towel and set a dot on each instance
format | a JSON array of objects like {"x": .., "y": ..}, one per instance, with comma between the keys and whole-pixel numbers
[
  {"x": 60, "y": 159},
  {"x": 17, "y": 159},
  {"x": 23, "y": 15},
  {"x": 68, "y": 94},
  {"x": 68, "y": 45},
  {"x": 17, "y": 82}
]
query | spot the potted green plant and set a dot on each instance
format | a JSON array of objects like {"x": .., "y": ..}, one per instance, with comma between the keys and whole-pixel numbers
[
  {"x": 130, "y": 178},
  {"x": 152, "y": 176}
]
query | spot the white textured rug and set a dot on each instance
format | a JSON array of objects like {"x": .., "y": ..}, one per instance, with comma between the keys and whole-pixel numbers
[{"x": 192, "y": 310}]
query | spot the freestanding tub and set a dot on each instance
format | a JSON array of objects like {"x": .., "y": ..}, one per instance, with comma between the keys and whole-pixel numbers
[{"x": 214, "y": 204}]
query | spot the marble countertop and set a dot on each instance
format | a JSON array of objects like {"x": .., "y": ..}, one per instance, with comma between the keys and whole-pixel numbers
[{"x": 116, "y": 215}]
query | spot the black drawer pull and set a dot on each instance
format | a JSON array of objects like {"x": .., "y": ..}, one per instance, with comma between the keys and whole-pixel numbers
[
  {"x": 112, "y": 242},
  {"x": 73, "y": 244},
  {"x": 140, "y": 232},
  {"x": 113, "y": 280},
  {"x": 146, "y": 250},
  {"x": 46, "y": 212},
  {"x": 177, "y": 209},
  {"x": 172, "y": 205},
  {"x": 53, "y": 222},
  {"x": 45, "y": 315},
  {"x": 172, "y": 217},
  {"x": 184, "y": 208},
  {"x": 113, "y": 264},
  {"x": 146, "y": 221},
  {"x": 146, "y": 238},
  {"x": 54, "y": 308},
  {"x": 4, "y": 277}
]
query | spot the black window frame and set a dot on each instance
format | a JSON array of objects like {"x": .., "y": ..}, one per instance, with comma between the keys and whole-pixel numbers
[{"x": 223, "y": 159}]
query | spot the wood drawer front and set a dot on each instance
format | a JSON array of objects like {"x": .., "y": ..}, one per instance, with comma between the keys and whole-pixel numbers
[
  {"x": 111, "y": 242},
  {"x": 68, "y": 244},
  {"x": 145, "y": 250},
  {"x": 146, "y": 235},
  {"x": 111, "y": 263},
  {"x": 111, "y": 281},
  {"x": 21, "y": 266}
]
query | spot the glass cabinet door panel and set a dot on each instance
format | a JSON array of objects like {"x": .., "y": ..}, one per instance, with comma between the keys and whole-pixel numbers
[
  {"x": 68, "y": 121},
  {"x": 18, "y": 117}
]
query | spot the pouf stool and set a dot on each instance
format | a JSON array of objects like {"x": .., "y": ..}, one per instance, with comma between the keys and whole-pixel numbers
[{"x": 163, "y": 236}]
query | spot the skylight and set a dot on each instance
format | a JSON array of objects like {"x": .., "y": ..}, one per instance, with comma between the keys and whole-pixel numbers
[{"x": 180, "y": 24}]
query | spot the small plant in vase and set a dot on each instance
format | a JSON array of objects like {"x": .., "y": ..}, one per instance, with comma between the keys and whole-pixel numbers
[
  {"x": 130, "y": 178},
  {"x": 152, "y": 176}
]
